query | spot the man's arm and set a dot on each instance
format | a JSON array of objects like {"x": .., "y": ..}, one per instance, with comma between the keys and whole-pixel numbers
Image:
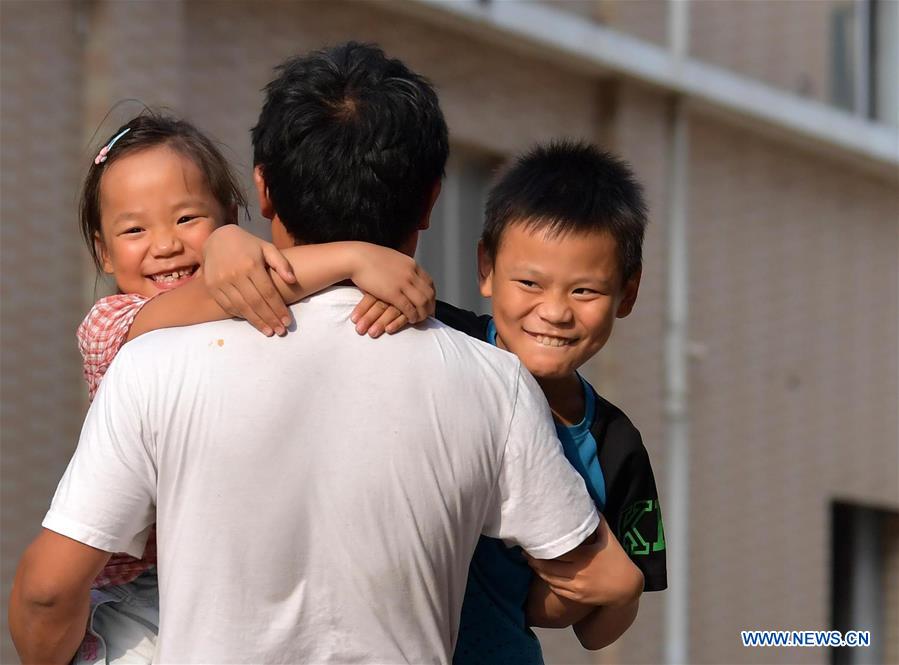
[
  {"x": 49, "y": 603},
  {"x": 104, "y": 502},
  {"x": 604, "y": 625},
  {"x": 539, "y": 502},
  {"x": 596, "y": 588}
]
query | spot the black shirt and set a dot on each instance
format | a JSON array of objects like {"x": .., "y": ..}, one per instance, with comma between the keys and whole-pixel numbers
[{"x": 630, "y": 501}]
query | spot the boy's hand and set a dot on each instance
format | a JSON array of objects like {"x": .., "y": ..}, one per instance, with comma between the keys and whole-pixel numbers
[
  {"x": 375, "y": 317},
  {"x": 235, "y": 270},
  {"x": 398, "y": 290},
  {"x": 595, "y": 573}
]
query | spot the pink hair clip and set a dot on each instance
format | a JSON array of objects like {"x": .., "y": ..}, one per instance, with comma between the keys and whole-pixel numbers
[{"x": 101, "y": 156}]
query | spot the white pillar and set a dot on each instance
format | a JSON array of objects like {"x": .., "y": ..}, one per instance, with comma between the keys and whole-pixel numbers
[{"x": 677, "y": 431}]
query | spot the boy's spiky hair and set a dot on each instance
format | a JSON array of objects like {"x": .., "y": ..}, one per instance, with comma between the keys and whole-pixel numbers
[{"x": 570, "y": 187}]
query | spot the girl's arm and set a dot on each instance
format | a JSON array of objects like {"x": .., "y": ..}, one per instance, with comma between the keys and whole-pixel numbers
[{"x": 237, "y": 281}]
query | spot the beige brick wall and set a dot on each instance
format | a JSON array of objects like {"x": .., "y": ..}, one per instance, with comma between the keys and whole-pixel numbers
[
  {"x": 785, "y": 43},
  {"x": 42, "y": 268},
  {"x": 794, "y": 298},
  {"x": 645, "y": 19}
]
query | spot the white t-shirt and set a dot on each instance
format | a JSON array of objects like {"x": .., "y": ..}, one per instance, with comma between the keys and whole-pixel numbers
[{"x": 317, "y": 497}]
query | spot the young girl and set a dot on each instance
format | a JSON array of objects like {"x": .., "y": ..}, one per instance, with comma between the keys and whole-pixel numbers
[{"x": 155, "y": 193}]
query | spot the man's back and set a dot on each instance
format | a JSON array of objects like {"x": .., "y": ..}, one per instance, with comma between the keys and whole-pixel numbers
[{"x": 318, "y": 497}]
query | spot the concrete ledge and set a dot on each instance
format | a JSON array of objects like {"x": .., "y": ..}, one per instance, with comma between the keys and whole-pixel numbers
[{"x": 576, "y": 43}]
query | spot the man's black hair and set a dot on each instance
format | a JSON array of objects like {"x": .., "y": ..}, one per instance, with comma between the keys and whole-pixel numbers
[
  {"x": 350, "y": 144},
  {"x": 570, "y": 187}
]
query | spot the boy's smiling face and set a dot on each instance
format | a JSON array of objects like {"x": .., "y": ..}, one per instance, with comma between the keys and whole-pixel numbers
[{"x": 555, "y": 297}]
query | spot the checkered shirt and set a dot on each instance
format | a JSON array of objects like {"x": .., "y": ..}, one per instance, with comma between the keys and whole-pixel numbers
[
  {"x": 100, "y": 336},
  {"x": 103, "y": 332}
]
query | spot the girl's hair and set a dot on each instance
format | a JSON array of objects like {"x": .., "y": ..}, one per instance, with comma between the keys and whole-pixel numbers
[{"x": 149, "y": 130}]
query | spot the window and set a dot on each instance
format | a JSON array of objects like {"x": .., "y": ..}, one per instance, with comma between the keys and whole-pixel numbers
[
  {"x": 885, "y": 57},
  {"x": 448, "y": 249},
  {"x": 844, "y": 65},
  {"x": 864, "y": 58},
  {"x": 864, "y": 568}
]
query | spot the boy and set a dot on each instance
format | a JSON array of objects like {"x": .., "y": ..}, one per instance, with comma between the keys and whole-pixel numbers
[{"x": 561, "y": 258}]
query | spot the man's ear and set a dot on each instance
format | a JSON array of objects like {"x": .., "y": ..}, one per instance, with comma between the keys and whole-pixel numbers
[
  {"x": 265, "y": 203},
  {"x": 485, "y": 271},
  {"x": 103, "y": 254},
  {"x": 425, "y": 222},
  {"x": 630, "y": 295}
]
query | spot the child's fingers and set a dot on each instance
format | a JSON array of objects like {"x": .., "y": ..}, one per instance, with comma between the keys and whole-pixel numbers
[
  {"x": 428, "y": 293},
  {"x": 422, "y": 301},
  {"x": 390, "y": 314},
  {"x": 240, "y": 308},
  {"x": 552, "y": 567},
  {"x": 561, "y": 586},
  {"x": 364, "y": 305},
  {"x": 397, "y": 324},
  {"x": 566, "y": 592},
  {"x": 555, "y": 581},
  {"x": 276, "y": 260},
  {"x": 269, "y": 293},
  {"x": 222, "y": 299},
  {"x": 366, "y": 320},
  {"x": 259, "y": 305},
  {"x": 407, "y": 307}
]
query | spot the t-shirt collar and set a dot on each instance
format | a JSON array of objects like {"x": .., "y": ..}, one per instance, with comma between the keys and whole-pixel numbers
[{"x": 589, "y": 396}]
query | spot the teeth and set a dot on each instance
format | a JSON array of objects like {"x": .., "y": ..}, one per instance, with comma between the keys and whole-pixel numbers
[
  {"x": 172, "y": 276},
  {"x": 546, "y": 340}
]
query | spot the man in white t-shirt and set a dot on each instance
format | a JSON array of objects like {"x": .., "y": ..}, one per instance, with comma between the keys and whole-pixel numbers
[{"x": 318, "y": 496}]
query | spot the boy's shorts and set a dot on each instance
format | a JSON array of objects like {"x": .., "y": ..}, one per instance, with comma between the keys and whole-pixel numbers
[{"x": 123, "y": 623}]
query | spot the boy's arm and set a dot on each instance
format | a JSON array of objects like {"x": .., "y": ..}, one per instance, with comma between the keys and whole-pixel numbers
[
  {"x": 632, "y": 501},
  {"x": 243, "y": 285}
]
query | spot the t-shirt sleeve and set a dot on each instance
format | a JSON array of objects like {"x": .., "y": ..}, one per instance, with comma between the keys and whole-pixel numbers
[
  {"x": 103, "y": 332},
  {"x": 540, "y": 502},
  {"x": 106, "y": 498},
  {"x": 632, "y": 504}
]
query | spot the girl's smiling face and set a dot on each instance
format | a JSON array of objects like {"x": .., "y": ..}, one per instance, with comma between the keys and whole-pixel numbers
[{"x": 156, "y": 213}]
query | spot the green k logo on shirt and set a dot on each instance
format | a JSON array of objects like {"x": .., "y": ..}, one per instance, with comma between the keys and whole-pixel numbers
[{"x": 641, "y": 531}]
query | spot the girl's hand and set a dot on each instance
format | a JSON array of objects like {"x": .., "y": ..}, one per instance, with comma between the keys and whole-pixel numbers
[
  {"x": 235, "y": 270},
  {"x": 375, "y": 316},
  {"x": 595, "y": 573},
  {"x": 398, "y": 290}
]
